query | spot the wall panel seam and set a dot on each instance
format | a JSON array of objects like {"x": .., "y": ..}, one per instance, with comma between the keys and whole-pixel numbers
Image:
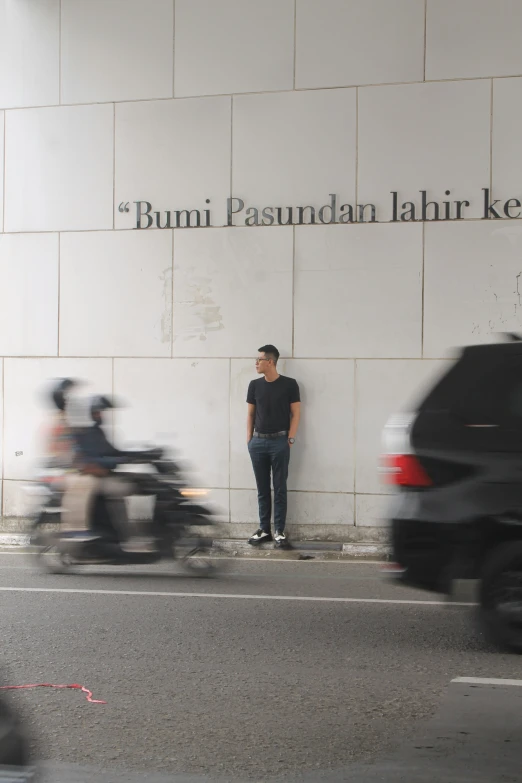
[
  {"x": 269, "y": 92},
  {"x": 491, "y": 132},
  {"x": 4, "y": 177},
  {"x": 173, "y": 48},
  {"x": 295, "y": 42},
  {"x": 425, "y": 37},
  {"x": 60, "y": 54}
]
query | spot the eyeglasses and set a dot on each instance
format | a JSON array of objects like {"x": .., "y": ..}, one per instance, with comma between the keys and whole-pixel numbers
[{"x": 261, "y": 360}]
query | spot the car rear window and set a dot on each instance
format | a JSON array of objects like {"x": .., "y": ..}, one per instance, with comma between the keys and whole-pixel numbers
[{"x": 483, "y": 387}]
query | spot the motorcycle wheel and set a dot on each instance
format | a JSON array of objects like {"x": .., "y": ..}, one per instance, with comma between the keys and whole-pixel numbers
[
  {"x": 196, "y": 561},
  {"x": 50, "y": 556}
]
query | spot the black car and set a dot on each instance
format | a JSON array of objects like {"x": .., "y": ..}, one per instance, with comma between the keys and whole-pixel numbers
[
  {"x": 15, "y": 761},
  {"x": 457, "y": 465}
]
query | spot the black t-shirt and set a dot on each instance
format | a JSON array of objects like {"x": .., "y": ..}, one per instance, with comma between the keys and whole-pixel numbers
[{"x": 272, "y": 400}]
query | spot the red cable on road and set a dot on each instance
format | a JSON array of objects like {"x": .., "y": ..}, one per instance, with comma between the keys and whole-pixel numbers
[{"x": 88, "y": 693}]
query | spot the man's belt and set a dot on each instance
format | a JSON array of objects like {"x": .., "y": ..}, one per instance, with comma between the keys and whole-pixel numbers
[{"x": 270, "y": 434}]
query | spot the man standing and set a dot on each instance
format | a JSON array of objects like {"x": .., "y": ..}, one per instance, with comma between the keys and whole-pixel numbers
[{"x": 272, "y": 421}]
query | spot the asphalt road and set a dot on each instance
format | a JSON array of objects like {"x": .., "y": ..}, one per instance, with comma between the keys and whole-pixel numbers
[{"x": 295, "y": 671}]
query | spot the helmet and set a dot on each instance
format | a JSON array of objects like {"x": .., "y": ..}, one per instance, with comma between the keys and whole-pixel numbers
[
  {"x": 100, "y": 403},
  {"x": 59, "y": 393}
]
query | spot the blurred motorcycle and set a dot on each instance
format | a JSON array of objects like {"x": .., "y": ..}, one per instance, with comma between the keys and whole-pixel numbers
[{"x": 177, "y": 509}]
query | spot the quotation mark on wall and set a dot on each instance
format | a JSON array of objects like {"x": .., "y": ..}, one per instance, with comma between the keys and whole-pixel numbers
[{"x": 124, "y": 207}]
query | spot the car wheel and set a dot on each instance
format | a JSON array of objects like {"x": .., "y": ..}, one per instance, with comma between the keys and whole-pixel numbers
[
  {"x": 14, "y": 746},
  {"x": 501, "y": 597}
]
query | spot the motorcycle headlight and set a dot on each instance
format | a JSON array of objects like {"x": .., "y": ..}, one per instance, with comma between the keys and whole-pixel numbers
[{"x": 194, "y": 493}]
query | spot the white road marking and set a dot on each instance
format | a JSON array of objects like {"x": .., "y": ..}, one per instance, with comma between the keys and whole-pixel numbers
[
  {"x": 486, "y": 681},
  {"x": 230, "y": 596}
]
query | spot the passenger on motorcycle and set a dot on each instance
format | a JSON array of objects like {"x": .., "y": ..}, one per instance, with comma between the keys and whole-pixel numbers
[{"x": 59, "y": 443}]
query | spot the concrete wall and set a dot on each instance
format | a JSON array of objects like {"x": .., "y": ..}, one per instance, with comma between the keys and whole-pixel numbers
[{"x": 279, "y": 103}]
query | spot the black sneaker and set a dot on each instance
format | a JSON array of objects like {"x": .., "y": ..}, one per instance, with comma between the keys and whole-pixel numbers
[
  {"x": 260, "y": 537},
  {"x": 281, "y": 541}
]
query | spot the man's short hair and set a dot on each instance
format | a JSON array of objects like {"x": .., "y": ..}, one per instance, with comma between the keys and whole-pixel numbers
[{"x": 270, "y": 352}]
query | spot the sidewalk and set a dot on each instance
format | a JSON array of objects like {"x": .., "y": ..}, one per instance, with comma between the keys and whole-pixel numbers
[{"x": 13, "y": 535}]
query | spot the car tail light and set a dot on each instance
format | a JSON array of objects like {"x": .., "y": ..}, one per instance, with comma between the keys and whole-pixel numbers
[
  {"x": 404, "y": 470},
  {"x": 399, "y": 465}
]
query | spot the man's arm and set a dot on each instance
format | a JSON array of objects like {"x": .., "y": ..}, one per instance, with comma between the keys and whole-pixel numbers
[
  {"x": 251, "y": 415},
  {"x": 295, "y": 415},
  {"x": 96, "y": 447},
  {"x": 91, "y": 452}
]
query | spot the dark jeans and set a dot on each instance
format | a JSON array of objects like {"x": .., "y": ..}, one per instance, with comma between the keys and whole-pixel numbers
[{"x": 271, "y": 456}]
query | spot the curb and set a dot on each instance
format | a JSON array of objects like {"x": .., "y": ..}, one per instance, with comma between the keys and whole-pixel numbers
[
  {"x": 313, "y": 550},
  {"x": 14, "y": 540},
  {"x": 323, "y": 550}
]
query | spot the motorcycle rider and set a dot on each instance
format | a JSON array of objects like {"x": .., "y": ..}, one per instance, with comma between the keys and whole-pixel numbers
[{"x": 96, "y": 460}]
